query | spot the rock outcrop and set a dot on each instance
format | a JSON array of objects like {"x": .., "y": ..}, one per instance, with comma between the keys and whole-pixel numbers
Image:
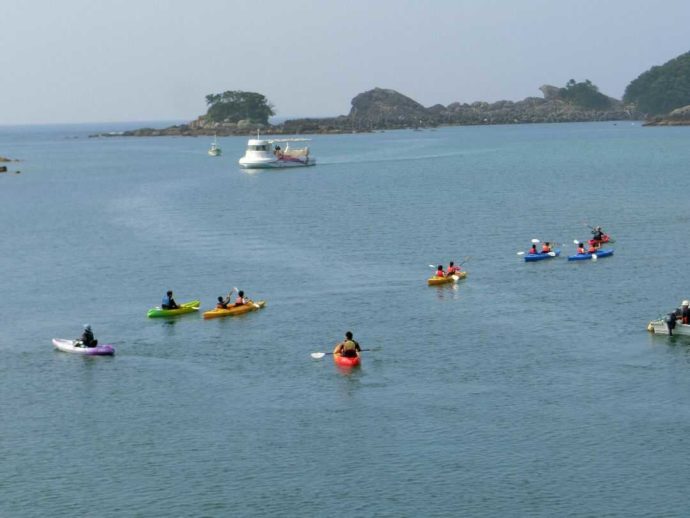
[{"x": 678, "y": 117}]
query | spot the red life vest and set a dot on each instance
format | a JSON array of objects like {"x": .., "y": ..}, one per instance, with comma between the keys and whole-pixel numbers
[
  {"x": 581, "y": 250},
  {"x": 592, "y": 249},
  {"x": 439, "y": 273},
  {"x": 545, "y": 249}
]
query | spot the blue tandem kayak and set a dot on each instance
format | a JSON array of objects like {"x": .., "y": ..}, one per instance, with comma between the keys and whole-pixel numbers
[
  {"x": 541, "y": 256},
  {"x": 584, "y": 257}
]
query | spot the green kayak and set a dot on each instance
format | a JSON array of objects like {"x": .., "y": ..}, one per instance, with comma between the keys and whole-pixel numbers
[{"x": 187, "y": 307}]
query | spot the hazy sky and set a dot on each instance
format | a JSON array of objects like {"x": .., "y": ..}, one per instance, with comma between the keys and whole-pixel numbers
[{"x": 136, "y": 60}]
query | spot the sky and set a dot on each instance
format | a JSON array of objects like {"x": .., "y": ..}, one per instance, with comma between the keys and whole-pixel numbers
[{"x": 73, "y": 61}]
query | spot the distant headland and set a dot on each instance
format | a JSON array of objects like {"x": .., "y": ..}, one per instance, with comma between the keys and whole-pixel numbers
[{"x": 660, "y": 95}]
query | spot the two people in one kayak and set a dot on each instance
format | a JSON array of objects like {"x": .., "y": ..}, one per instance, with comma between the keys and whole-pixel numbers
[
  {"x": 224, "y": 303},
  {"x": 86, "y": 339},
  {"x": 545, "y": 249},
  {"x": 452, "y": 270},
  {"x": 348, "y": 348},
  {"x": 591, "y": 250}
]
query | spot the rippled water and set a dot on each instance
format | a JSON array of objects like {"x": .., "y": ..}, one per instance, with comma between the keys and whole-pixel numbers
[{"x": 530, "y": 389}]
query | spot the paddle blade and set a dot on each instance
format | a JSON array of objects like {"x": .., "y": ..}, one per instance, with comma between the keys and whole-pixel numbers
[
  {"x": 521, "y": 253},
  {"x": 535, "y": 241},
  {"x": 576, "y": 241},
  {"x": 455, "y": 278},
  {"x": 594, "y": 257},
  {"x": 431, "y": 266},
  {"x": 318, "y": 356},
  {"x": 552, "y": 254}
]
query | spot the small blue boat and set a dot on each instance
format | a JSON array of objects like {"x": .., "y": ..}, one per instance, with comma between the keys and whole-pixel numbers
[
  {"x": 584, "y": 257},
  {"x": 541, "y": 256}
]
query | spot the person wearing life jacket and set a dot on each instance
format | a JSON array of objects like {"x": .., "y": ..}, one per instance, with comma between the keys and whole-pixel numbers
[
  {"x": 592, "y": 249},
  {"x": 348, "y": 348},
  {"x": 581, "y": 249},
  {"x": 168, "y": 301},
  {"x": 87, "y": 339},
  {"x": 533, "y": 250},
  {"x": 240, "y": 300},
  {"x": 439, "y": 271},
  {"x": 452, "y": 269},
  {"x": 546, "y": 248},
  {"x": 223, "y": 302}
]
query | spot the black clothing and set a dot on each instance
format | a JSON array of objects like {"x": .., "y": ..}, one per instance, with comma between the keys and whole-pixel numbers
[{"x": 87, "y": 338}]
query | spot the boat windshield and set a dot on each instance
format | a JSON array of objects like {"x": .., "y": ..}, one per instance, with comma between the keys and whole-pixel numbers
[{"x": 261, "y": 147}]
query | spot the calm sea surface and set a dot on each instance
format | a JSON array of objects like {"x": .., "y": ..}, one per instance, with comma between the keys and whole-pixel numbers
[{"x": 530, "y": 389}]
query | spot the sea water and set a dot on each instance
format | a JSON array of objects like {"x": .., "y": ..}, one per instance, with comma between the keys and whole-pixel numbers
[{"x": 528, "y": 389}]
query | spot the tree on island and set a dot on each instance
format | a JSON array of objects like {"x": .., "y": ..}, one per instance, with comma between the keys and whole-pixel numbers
[
  {"x": 236, "y": 105},
  {"x": 661, "y": 89},
  {"x": 584, "y": 94}
]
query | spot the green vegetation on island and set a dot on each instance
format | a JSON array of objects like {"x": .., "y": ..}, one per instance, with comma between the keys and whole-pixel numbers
[
  {"x": 661, "y": 89},
  {"x": 235, "y": 105},
  {"x": 585, "y": 95}
]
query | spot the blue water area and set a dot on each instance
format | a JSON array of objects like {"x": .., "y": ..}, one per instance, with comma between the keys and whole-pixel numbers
[{"x": 528, "y": 389}]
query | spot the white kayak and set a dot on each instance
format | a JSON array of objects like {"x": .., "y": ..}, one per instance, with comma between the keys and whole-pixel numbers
[{"x": 75, "y": 347}]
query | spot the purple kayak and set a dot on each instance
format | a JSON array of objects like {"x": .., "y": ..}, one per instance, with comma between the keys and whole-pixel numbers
[{"x": 69, "y": 346}]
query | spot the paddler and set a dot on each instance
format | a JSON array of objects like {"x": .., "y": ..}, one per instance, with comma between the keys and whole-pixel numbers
[
  {"x": 581, "y": 249},
  {"x": 439, "y": 271},
  {"x": 452, "y": 269},
  {"x": 168, "y": 301},
  {"x": 598, "y": 234},
  {"x": 592, "y": 248},
  {"x": 546, "y": 248},
  {"x": 348, "y": 348},
  {"x": 87, "y": 339},
  {"x": 240, "y": 300},
  {"x": 223, "y": 302},
  {"x": 533, "y": 250}
]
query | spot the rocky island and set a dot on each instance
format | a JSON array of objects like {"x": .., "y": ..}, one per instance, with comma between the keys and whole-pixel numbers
[
  {"x": 384, "y": 109},
  {"x": 660, "y": 95}
]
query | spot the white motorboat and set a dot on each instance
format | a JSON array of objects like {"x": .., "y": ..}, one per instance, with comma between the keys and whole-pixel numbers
[
  {"x": 268, "y": 153},
  {"x": 215, "y": 150},
  {"x": 660, "y": 327}
]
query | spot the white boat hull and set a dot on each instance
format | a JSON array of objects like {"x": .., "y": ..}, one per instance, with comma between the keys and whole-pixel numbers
[
  {"x": 275, "y": 163},
  {"x": 659, "y": 327}
]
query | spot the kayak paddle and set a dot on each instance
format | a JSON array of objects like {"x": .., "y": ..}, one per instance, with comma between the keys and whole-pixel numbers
[{"x": 318, "y": 356}]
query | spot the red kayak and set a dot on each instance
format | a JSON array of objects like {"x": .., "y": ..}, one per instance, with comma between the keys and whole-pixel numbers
[
  {"x": 604, "y": 239},
  {"x": 345, "y": 361}
]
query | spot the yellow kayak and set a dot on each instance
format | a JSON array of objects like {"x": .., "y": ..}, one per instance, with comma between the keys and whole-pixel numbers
[
  {"x": 437, "y": 281},
  {"x": 232, "y": 311}
]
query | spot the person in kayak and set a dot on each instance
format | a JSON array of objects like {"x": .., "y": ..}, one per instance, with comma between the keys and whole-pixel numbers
[
  {"x": 671, "y": 322},
  {"x": 87, "y": 339},
  {"x": 581, "y": 249},
  {"x": 168, "y": 301},
  {"x": 348, "y": 348},
  {"x": 223, "y": 302},
  {"x": 240, "y": 300},
  {"x": 546, "y": 248},
  {"x": 533, "y": 250},
  {"x": 439, "y": 271},
  {"x": 598, "y": 234},
  {"x": 592, "y": 248},
  {"x": 452, "y": 269}
]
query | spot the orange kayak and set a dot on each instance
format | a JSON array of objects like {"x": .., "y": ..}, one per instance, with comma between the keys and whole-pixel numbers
[
  {"x": 232, "y": 311},
  {"x": 437, "y": 281},
  {"x": 345, "y": 361}
]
